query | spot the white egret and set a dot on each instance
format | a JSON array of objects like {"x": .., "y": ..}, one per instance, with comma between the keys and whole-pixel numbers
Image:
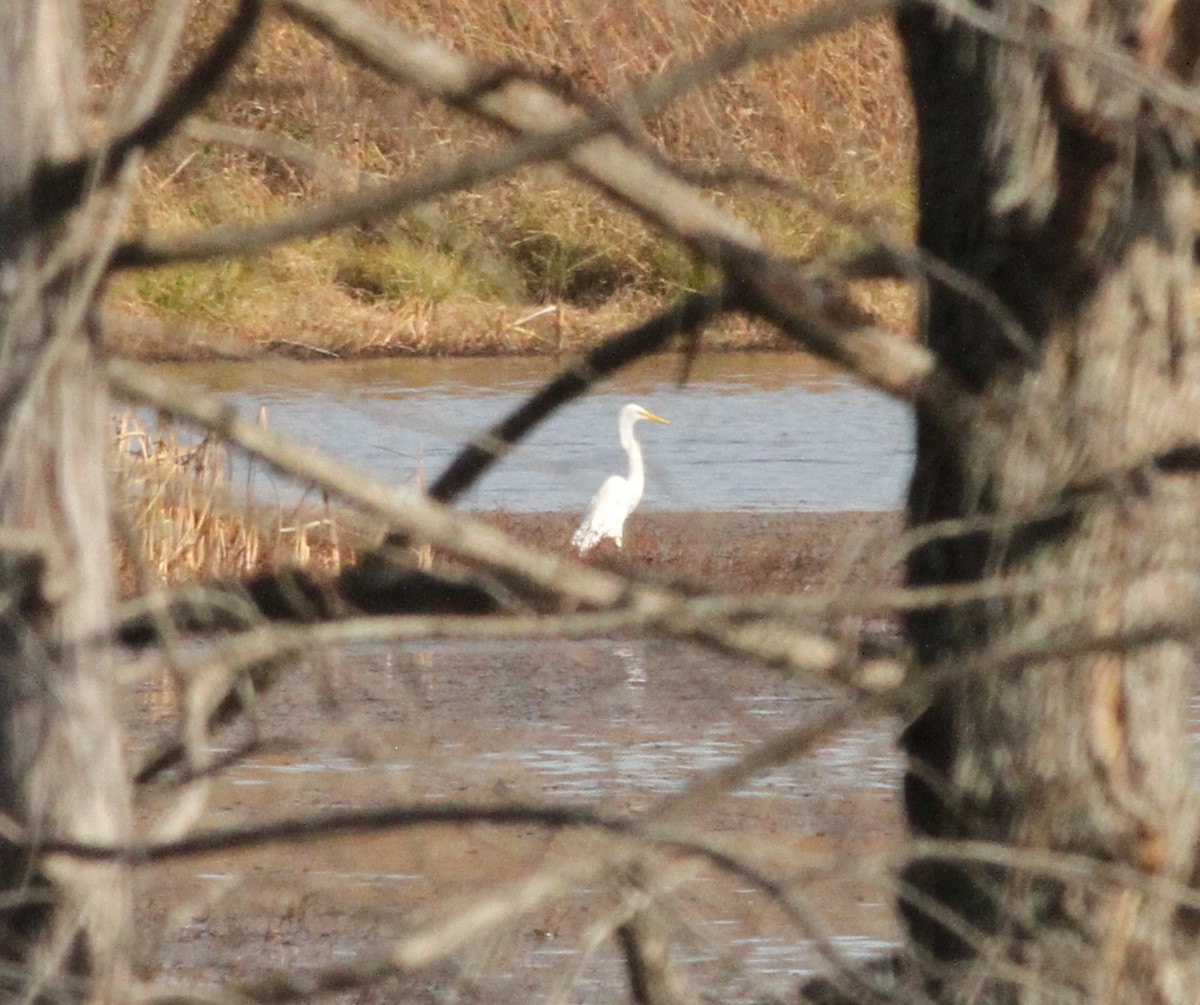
[{"x": 618, "y": 497}]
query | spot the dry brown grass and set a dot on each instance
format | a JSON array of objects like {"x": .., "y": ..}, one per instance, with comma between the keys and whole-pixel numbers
[
  {"x": 832, "y": 118},
  {"x": 183, "y": 521}
]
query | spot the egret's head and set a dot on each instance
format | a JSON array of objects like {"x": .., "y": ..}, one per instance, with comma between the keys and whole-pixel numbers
[{"x": 632, "y": 413}]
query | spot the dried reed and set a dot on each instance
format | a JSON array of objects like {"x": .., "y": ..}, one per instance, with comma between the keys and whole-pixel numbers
[{"x": 185, "y": 521}]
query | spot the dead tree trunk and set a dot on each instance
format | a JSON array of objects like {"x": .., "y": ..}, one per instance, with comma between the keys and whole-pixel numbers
[
  {"x": 62, "y": 774},
  {"x": 1058, "y": 183}
]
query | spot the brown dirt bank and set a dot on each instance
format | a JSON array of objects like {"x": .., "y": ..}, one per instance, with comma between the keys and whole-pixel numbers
[
  {"x": 737, "y": 551},
  {"x": 468, "y": 272},
  {"x": 326, "y": 325}
]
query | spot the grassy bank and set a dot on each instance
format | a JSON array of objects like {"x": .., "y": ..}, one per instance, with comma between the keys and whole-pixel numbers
[{"x": 533, "y": 263}]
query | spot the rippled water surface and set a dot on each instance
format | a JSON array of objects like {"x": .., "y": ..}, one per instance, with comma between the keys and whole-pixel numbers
[
  {"x": 756, "y": 431},
  {"x": 612, "y": 724}
]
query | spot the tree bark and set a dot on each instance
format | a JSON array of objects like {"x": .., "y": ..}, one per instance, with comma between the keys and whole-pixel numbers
[
  {"x": 65, "y": 928},
  {"x": 1067, "y": 192}
]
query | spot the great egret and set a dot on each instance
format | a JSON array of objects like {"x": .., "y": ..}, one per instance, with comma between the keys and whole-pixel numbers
[{"x": 618, "y": 497}]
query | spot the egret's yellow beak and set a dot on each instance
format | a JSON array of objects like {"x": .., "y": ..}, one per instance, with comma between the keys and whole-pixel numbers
[{"x": 654, "y": 418}]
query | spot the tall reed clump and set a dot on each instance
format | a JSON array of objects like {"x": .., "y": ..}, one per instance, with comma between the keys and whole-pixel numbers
[
  {"x": 832, "y": 118},
  {"x": 184, "y": 521}
]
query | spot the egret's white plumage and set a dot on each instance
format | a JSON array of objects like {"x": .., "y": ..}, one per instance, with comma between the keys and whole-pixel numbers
[{"x": 618, "y": 497}]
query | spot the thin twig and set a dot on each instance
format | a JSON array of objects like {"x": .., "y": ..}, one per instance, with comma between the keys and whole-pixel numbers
[
  {"x": 59, "y": 187},
  {"x": 410, "y": 513},
  {"x": 651, "y": 336},
  {"x": 760, "y": 283}
]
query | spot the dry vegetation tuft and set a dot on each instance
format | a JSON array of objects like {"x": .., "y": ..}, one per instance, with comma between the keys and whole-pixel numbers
[
  {"x": 184, "y": 521},
  {"x": 832, "y": 119}
]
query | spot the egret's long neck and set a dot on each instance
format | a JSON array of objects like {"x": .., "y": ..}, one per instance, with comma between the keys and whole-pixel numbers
[{"x": 637, "y": 474}]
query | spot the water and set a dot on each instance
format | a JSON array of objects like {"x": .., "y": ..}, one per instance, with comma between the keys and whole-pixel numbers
[
  {"x": 616, "y": 724},
  {"x": 758, "y": 432}
]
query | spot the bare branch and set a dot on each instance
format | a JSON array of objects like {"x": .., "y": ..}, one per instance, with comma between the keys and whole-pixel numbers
[
  {"x": 275, "y": 145},
  {"x": 372, "y": 202},
  {"x": 147, "y": 68},
  {"x": 59, "y": 187},
  {"x": 1066, "y": 866},
  {"x": 806, "y": 308},
  {"x": 523, "y": 106},
  {"x": 566, "y": 581},
  {"x": 683, "y": 318},
  {"x": 654, "y": 977}
]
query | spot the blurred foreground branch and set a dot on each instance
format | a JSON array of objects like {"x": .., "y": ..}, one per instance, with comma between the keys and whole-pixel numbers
[{"x": 564, "y": 583}]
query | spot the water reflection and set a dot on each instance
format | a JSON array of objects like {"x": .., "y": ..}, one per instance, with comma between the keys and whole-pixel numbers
[
  {"x": 614, "y": 723},
  {"x": 629, "y": 655},
  {"x": 756, "y": 431}
]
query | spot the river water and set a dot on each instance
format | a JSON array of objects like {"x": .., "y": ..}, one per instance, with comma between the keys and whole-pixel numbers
[{"x": 753, "y": 431}]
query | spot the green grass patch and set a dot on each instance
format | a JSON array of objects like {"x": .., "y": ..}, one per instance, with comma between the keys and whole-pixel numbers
[
  {"x": 675, "y": 270},
  {"x": 207, "y": 292},
  {"x": 387, "y": 266},
  {"x": 554, "y": 268}
]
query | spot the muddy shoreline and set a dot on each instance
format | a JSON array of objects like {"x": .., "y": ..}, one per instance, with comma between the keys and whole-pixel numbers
[
  {"x": 610, "y": 723},
  {"x": 459, "y": 330},
  {"x": 736, "y": 551}
]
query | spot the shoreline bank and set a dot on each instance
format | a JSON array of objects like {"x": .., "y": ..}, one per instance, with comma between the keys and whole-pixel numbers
[
  {"x": 738, "y": 551},
  {"x": 341, "y": 331}
]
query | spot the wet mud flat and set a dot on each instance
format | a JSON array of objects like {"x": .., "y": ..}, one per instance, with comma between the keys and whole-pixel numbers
[
  {"x": 737, "y": 552},
  {"x": 617, "y": 724}
]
